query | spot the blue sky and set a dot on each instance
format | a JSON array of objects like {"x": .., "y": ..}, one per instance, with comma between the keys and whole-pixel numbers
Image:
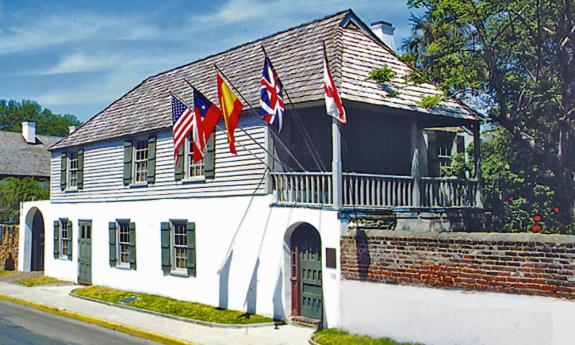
[{"x": 77, "y": 57}]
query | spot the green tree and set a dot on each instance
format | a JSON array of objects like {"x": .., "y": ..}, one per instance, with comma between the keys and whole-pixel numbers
[
  {"x": 13, "y": 191},
  {"x": 13, "y": 113},
  {"x": 515, "y": 59}
]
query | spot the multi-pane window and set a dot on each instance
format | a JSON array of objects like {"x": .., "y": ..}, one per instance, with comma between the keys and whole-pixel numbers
[
  {"x": 65, "y": 237},
  {"x": 140, "y": 161},
  {"x": 194, "y": 169},
  {"x": 123, "y": 243},
  {"x": 73, "y": 170},
  {"x": 444, "y": 156},
  {"x": 180, "y": 247}
]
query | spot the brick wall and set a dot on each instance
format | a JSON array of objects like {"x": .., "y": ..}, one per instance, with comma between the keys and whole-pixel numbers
[
  {"x": 530, "y": 264},
  {"x": 9, "y": 246}
]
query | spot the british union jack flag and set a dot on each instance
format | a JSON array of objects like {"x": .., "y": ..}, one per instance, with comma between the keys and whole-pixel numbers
[{"x": 272, "y": 105}]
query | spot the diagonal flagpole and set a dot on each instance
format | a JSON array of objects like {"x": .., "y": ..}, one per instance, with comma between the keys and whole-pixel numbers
[
  {"x": 315, "y": 155},
  {"x": 248, "y": 135},
  {"x": 254, "y": 112}
]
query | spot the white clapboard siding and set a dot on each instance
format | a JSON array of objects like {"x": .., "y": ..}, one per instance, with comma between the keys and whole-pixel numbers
[{"x": 104, "y": 163}]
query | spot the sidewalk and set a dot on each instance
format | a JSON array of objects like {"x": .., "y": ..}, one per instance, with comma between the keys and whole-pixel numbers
[{"x": 58, "y": 297}]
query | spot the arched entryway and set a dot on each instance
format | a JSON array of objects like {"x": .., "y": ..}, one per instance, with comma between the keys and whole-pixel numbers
[
  {"x": 35, "y": 231},
  {"x": 306, "y": 272}
]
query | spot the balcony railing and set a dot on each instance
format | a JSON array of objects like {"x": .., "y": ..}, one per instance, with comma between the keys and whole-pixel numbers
[{"x": 373, "y": 191}]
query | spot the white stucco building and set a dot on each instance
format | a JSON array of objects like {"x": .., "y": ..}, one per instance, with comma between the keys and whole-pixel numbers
[{"x": 257, "y": 231}]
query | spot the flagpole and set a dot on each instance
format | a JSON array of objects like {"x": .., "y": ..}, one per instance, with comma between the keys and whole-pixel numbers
[
  {"x": 257, "y": 116},
  {"x": 249, "y": 136},
  {"x": 336, "y": 164}
]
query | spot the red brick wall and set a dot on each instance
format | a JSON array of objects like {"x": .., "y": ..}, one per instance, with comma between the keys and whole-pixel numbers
[
  {"x": 512, "y": 263},
  {"x": 9, "y": 245}
]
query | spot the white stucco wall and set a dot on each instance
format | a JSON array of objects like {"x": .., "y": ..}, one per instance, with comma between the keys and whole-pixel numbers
[
  {"x": 449, "y": 317},
  {"x": 262, "y": 234}
]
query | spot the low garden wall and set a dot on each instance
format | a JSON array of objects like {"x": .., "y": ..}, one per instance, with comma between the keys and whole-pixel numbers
[
  {"x": 8, "y": 247},
  {"x": 528, "y": 264},
  {"x": 459, "y": 288}
]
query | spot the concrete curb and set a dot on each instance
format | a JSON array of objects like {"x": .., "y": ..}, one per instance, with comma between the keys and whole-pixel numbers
[
  {"x": 179, "y": 318},
  {"x": 311, "y": 342},
  {"x": 138, "y": 332}
]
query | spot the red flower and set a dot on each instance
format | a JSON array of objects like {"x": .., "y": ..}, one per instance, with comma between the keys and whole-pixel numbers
[
  {"x": 510, "y": 198},
  {"x": 537, "y": 218},
  {"x": 536, "y": 228},
  {"x": 556, "y": 210}
]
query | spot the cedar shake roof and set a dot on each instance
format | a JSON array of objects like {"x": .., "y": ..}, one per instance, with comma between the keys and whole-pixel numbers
[
  {"x": 18, "y": 158},
  {"x": 297, "y": 55}
]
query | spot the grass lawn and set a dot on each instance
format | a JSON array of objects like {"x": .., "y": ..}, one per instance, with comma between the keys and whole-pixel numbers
[
  {"x": 2, "y": 272},
  {"x": 171, "y": 306},
  {"x": 40, "y": 280},
  {"x": 331, "y": 336}
]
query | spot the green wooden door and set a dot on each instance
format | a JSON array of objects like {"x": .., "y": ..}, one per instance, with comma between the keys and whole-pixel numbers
[
  {"x": 308, "y": 244},
  {"x": 85, "y": 252}
]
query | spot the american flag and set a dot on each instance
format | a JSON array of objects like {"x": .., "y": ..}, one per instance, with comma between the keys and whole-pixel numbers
[
  {"x": 272, "y": 105},
  {"x": 183, "y": 119}
]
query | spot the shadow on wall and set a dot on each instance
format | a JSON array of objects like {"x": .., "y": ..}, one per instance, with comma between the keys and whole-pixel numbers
[
  {"x": 224, "y": 282},
  {"x": 252, "y": 295},
  {"x": 279, "y": 313},
  {"x": 362, "y": 252}
]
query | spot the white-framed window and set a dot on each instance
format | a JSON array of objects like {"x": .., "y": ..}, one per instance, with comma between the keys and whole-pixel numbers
[
  {"x": 140, "y": 167},
  {"x": 123, "y": 244},
  {"x": 179, "y": 247},
  {"x": 444, "y": 156},
  {"x": 73, "y": 170},
  {"x": 193, "y": 169},
  {"x": 65, "y": 236}
]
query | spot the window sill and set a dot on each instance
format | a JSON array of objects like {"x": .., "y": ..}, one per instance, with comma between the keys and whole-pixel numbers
[
  {"x": 195, "y": 179},
  {"x": 182, "y": 274},
  {"x": 71, "y": 190},
  {"x": 123, "y": 267},
  {"x": 65, "y": 258},
  {"x": 138, "y": 184}
]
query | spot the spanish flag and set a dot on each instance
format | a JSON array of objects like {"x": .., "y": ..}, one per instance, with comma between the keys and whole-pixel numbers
[{"x": 231, "y": 107}]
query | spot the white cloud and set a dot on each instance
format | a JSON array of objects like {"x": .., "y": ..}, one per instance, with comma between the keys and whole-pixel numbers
[
  {"x": 82, "y": 63},
  {"x": 56, "y": 30}
]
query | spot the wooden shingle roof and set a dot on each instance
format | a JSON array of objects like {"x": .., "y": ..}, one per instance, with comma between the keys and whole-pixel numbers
[
  {"x": 297, "y": 55},
  {"x": 18, "y": 158}
]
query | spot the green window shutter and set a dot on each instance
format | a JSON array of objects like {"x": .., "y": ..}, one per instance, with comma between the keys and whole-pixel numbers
[
  {"x": 56, "y": 239},
  {"x": 80, "y": 169},
  {"x": 128, "y": 148},
  {"x": 112, "y": 242},
  {"x": 191, "y": 233},
  {"x": 132, "y": 255},
  {"x": 71, "y": 244},
  {"x": 165, "y": 239},
  {"x": 210, "y": 159},
  {"x": 180, "y": 169},
  {"x": 151, "y": 160},
  {"x": 63, "y": 168}
]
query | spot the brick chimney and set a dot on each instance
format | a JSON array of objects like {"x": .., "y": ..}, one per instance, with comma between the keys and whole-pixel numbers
[
  {"x": 29, "y": 132},
  {"x": 384, "y": 31}
]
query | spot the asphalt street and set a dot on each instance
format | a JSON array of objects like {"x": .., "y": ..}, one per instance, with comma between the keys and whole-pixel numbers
[{"x": 21, "y": 325}]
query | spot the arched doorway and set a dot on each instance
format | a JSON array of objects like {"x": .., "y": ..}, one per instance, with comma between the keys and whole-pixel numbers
[
  {"x": 306, "y": 272},
  {"x": 37, "y": 252}
]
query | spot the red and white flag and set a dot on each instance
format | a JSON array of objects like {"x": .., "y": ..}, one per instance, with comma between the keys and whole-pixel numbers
[{"x": 333, "y": 103}]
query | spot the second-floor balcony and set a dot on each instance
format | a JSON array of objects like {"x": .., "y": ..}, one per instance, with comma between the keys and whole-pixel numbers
[{"x": 370, "y": 191}]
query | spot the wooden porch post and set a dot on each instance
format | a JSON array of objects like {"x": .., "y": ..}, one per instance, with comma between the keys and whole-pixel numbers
[
  {"x": 415, "y": 168},
  {"x": 336, "y": 165},
  {"x": 477, "y": 157}
]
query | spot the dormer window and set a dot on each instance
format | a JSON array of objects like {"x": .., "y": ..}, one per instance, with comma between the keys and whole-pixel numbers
[{"x": 141, "y": 161}]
